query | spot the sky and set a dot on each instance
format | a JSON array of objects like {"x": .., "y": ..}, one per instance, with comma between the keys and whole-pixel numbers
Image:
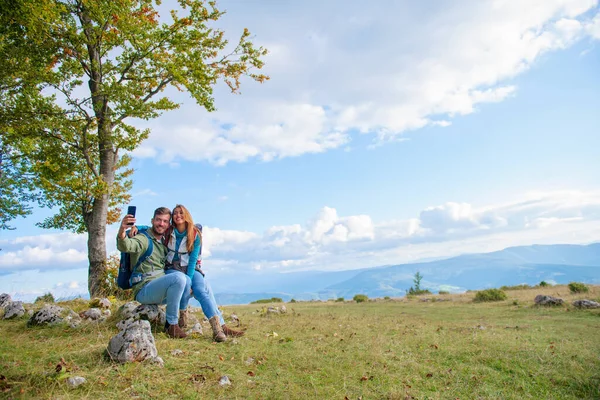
[{"x": 388, "y": 133}]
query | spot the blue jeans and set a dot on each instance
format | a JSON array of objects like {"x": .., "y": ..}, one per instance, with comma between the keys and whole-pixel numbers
[
  {"x": 203, "y": 293},
  {"x": 167, "y": 289}
]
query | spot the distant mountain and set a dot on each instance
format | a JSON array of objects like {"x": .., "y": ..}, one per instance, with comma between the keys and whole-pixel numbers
[{"x": 512, "y": 266}]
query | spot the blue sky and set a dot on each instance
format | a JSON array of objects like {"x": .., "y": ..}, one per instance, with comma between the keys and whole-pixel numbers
[{"x": 386, "y": 134}]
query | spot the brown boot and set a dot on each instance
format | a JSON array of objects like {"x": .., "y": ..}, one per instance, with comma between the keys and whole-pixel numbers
[
  {"x": 218, "y": 334},
  {"x": 230, "y": 332},
  {"x": 182, "y": 319},
  {"x": 174, "y": 331}
]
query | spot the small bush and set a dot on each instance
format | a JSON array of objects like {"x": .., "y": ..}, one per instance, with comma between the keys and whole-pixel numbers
[
  {"x": 443, "y": 292},
  {"x": 292, "y": 300},
  {"x": 490, "y": 295},
  {"x": 47, "y": 298},
  {"x": 577, "y": 287},
  {"x": 543, "y": 284},
  {"x": 359, "y": 298},
  {"x": 386, "y": 298},
  {"x": 340, "y": 300},
  {"x": 515, "y": 287},
  {"x": 271, "y": 300}
]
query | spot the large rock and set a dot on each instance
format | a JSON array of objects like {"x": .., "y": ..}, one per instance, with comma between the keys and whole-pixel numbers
[
  {"x": 134, "y": 343},
  {"x": 5, "y": 300},
  {"x": 152, "y": 313},
  {"x": 49, "y": 314},
  {"x": 543, "y": 300},
  {"x": 586, "y": 304},
  {"x": 14, "y": 309},
  {"x": 127, "y": 310}
]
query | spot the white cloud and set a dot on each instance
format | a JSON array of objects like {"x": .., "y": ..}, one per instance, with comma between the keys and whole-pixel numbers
[
  {"x": 379, "y": 70},
  {"x": 330, "y": 241}
]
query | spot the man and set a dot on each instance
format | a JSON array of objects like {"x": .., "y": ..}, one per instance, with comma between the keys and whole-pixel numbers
[{"x": 150, "y": 284}]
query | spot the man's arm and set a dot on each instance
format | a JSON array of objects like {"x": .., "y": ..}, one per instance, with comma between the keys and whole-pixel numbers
[{"x": 129, "y": 245}]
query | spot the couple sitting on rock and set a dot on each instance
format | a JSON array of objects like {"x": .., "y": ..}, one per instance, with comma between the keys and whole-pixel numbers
[{"x": 170, "y": 274}]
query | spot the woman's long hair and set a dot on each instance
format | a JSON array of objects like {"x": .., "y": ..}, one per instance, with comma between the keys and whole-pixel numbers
[{"x": 192, "y": 231}]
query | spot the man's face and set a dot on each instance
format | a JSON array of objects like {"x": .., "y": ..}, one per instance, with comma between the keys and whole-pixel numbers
[{"x": 160, "y": 223}]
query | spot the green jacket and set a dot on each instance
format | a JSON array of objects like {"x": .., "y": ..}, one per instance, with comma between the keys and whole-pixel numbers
[{"x": 136, "y": 246}]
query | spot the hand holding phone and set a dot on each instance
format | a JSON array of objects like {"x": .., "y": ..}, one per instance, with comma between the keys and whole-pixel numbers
[{"x": 131, "y": 211}]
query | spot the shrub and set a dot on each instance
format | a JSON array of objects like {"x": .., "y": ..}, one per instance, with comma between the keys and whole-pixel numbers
[
  {"x": 515, "y": 287},
  {"x": 490, "y": 295},
  {"x": 47, "y": 298},
  {"x": 577, "y": 287},
  {"x": 416, "y": 292},
  {"x": 271, "y": 300},
  {"x": 359, "y": 298},
  {"x": 340, "y": 300},
  {"x": 108, "y": 282},
  {"x": 292, "y": 300},
  {"x": 386, "y": 298},
  {"x": 543, "y": 284},
  {"x": 443, "y": 292}
]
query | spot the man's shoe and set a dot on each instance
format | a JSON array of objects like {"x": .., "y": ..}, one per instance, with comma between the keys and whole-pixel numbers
[
  {"x": 218, "y": 334},
  {"x": 230, "y": 332},
  {"x": 174, "y": 331},
  {"x": 182, "y": 319}
]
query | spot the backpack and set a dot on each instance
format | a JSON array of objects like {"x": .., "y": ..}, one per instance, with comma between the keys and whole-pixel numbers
[{"x": 125, "y": 270}]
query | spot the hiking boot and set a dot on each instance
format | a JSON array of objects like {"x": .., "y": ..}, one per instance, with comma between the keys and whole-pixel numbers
[
  {"x": 230, "y": 332},
  {"x": 182, "y": 319},
  {"x": 174, "y": 331},
  {"x": 215, "y": 324}
]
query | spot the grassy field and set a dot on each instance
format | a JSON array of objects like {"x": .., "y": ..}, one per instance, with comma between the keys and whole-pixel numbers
[{"x": 385, "y": 349}]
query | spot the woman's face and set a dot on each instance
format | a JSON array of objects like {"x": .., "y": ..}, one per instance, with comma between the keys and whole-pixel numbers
[{"x": 178, "y": 216}]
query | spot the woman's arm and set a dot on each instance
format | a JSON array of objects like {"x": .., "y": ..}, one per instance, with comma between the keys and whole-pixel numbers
[{"x": 194, "y": 257}]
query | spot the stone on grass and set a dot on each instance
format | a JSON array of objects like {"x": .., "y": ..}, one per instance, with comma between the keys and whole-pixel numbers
[
  {"x": 543, "y": 300},
  {"x": 73, "y": 319},
  {"x": 176, "y": 352},
  {"x": 75, "y": 381},
  {"x": 49, "y": 314},
  {"x": 134, "y": 343},
  {"x": 197, "y": 329},
  {"x": 224, "y": 381},
  {"x": 123, "y": 324},
  {"x": 586, "y": 304},
  {"x": 273, "y": 310},
  {"x": 104, "y": 303},
  {"x": 93, "y": 314},
  {"x": 156, "y": 360},
  {"x": 5, "y": 299},
  {"x": 14, "y": 309},
  {"x": 283, "y": 309},
  {"x": 106, "y": 313}
]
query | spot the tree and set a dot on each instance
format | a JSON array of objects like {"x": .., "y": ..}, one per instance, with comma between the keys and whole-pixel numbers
[
  {"x": 417, "y": 289},
  {"x": 80, "y": 71},
  {"x": 417, "y": 281}
]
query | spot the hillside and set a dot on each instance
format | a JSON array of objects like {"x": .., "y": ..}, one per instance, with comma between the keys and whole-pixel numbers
[
  {"x": 512, "y": 266},
  {"x": 435, "y": 347}
]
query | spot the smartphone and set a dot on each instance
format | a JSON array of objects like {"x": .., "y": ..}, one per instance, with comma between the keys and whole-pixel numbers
[{"x": 131, "y": 211}]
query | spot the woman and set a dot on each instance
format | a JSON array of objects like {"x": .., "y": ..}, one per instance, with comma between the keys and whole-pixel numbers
[{"x": 184, "y": 243}]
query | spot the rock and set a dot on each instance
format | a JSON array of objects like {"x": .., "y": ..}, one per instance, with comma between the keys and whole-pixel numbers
[
  {"x": 104, "y": 303},
  {"x": 273, "y": 310},
  {"x": 543, "y": 300},
  {"x": 49, "y": 314},
  {"x": 152, "y": 313},
  {"x": 197, "y": 329},
  {"x": 235, "y": 318},
  {"x": 75, "y": 381},
  {"x": 93, "y": 314},
  {"x": 122, "y": 325},
  {"x": 127, "y": 310},
  {"x": 5, "y": 299},
  {"x": 73, "y": 319},
  {"x": 30, "y": 312},
  {"x": 283, "y": 309},
  {"x": 134, "y": 343},
  {"x": 224, "y": 381},
  {"x": 157, "y": 360},
  {"x": 106, "y": 313},
  {"x": 586, "y": 304},
  {"x": 176, "y": 352},
  {"x": 14, "y": 309},
  {"x": 249, "y": 361}
]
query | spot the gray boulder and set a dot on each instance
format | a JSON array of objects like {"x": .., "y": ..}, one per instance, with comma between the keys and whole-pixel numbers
[
  {"x": 5, "y": 299},
  {"x": 196, "y": 329},
  {"x": 152, "y": 313},
  {"x": 75, "y": 381},
  {"x": 14, "y": 309},
  {"x": 127, "y": 310},
  {"x": 73, "y": 319},
  {"x": 134, "y": 343},
  {"x": 543, "y": 300},
  {"x": 93, "y": 314},
  {"x": 586, "y": 304},
  {"x": 104, "y": 303},
  {"x": 49, "y": 314}
]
